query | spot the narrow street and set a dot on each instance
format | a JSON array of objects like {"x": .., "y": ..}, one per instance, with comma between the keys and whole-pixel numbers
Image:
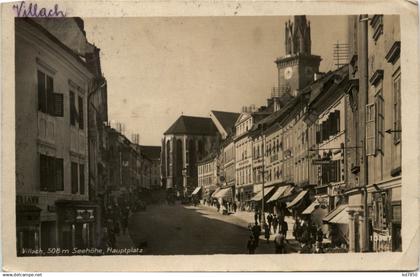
[{"x": 189, "y": 230}]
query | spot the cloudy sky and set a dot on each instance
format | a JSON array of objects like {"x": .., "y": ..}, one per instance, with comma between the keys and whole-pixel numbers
[{"x": 160, "y": 68}]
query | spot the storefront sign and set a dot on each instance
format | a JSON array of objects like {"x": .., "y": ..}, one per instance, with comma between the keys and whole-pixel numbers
[
  {"x": 84, "y": 215},
  {"x": 27, "y": 199}
]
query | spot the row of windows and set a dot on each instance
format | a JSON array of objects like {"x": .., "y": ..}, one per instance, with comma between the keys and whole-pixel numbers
[
  {"x": 375, "y": 119},
  {"x": 52, "y": 175},
  {"x": 52, "y": 103},
  {"x": 206, "y": 168},
  {"x": 244, "y": 176}
]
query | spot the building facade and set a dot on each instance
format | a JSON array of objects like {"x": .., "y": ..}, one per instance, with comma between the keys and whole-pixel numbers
[
  {"x": 52, "y": 192},
  {"x": 186, "y": 142}
]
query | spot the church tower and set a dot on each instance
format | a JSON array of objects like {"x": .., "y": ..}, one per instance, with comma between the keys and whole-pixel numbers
[{"x": 297, "y": 68}]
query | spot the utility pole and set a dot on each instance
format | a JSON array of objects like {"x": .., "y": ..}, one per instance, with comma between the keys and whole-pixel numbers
[
  {"x": 363, "y": 100},
  {"x": 263, "y": 178}
]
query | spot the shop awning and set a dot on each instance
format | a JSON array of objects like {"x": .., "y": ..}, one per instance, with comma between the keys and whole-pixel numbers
[
  {"x": 258, "y": 196},
  {"x": 311, "y": 207},
  {"x": 223, "y": 193},
  {"x": 297, "y": 199},
  {"x": 338, "y": 216},
  {"x": 197, "y": 189},
  {"x": 281, "y": 192},
  {"x": 213, "y": 195}
]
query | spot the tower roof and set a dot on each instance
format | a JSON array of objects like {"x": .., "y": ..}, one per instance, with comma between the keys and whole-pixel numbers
[
  {"x": 298, "y": 36},
  {"x": 192, "y": 125}
]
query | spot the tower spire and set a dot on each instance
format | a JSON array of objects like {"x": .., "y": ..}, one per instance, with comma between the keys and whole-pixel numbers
[{"x": 298, "y": 36}]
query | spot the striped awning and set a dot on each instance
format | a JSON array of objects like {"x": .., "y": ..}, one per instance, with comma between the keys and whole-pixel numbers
[
  {"x": 281, "y": 192},
  {"x": 197, "y": 189},
  {"x": 338, "y": 216},
  {"x": 225, "y": 193},
  {"x": 258, "y": 196},
  {"x": 297, "y": 199}
]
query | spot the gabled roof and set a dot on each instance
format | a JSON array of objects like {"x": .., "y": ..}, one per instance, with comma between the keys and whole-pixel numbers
[
  {"x": 192, "y": 125},
  {"x": 226, "y": 119},
  {"x": 152, "y": 152}
]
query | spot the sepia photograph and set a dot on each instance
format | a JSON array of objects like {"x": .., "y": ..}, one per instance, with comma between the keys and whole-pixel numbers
[{"x": 208, "y": 135}]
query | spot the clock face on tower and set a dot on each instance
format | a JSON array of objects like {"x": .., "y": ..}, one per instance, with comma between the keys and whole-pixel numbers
[
  {"x": 309, "y": 71},
  {"x": 288, "y": 72}
]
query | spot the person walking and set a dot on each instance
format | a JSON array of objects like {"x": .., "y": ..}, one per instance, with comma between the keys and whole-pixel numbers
[
  {"x": 267, "y": 232},
  {"x": 251, "y": 245},
  {"x": 275, "y": 224},
  {"x": 280, "y": 243},
  {"x": 256, "y": 216},
  {"x": 256, "y": 231},
  {"x": 283, "y": 227},
  {"x": 270, "y": 221}
]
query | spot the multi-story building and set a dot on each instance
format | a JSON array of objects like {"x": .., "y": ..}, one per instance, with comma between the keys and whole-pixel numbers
[
  {"x": 208, "y": 177},
  {"x": 187, "y": 141},
  {"x": 153, "y": 154},
  {"x": 245, "y": 189},
  {"x": 52, "y": 193},
  {"x": 375, "y": 68}
]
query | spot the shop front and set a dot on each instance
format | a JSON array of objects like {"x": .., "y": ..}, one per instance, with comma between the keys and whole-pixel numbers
[
  {"x": 28, "y": 230},
  {"x": 385, "y": 220},
  {"x": 76, "y": 224}
]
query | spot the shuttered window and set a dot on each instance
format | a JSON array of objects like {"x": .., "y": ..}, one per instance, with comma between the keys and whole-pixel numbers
[
  {"x": 80, "y": 110},
  {"x": 42, "y": 93},
  {"x": 59, "y": 175},
  {"x": 380, "y": 121},
  {"x": 58, "y": 104},
  {"x": 51, "y": 173},
  {"x": 73, "y": 112},
  {"x": 74, "y": 178},
  {"x": 370, "y": 129},
  {"x": 49, "y": 102},
  {"x": 82, "y": 178},
  {"x": 397, "y": 109}
]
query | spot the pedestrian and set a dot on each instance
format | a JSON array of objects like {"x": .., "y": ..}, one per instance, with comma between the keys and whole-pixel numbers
[
  {"x": 267, "y": 232},
  {"x": 259, "y": 216},
  {"x": 269, "y": 220},
  {"x": 256, "y": 231},
  {"x": 251, "y": 245},
  {"x": 218, "y": 206},
  {"x": 275, "y": 223},
  {"x": 256, "y": 216},
  {"x": 280, "y": 243},
  {"x": 283, "y": 227}
]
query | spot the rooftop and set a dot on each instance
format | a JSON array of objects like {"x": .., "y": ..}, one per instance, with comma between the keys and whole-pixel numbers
[{"x": 192, "y": 125}]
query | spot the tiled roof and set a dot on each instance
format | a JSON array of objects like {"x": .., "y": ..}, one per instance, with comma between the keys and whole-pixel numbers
[
  {"x": 192, "y": 125},
  {"x": 227, "y": 119},
  {"x": 152, "y": 152}
]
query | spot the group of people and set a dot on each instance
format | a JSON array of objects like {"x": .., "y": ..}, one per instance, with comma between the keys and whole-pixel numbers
[
  {"x": 273, "y": 223},
  {"x": 310, "y": 237},
  {"x": 116, "y": 222}
]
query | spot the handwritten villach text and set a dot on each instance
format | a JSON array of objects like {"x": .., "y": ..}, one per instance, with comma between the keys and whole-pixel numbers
[{"x": 31, "y": 10}]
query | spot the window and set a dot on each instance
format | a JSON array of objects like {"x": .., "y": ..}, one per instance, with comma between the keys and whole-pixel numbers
[
  {"x": 73, "y": 111},
  {"x": 379, "y": 101},
  {"x": 80, "y": 109},
  {"x": 74, "y": 178},
  {"x": 49, "y": 102},
  {"x": 370, "y": 129},
  {"x": 397, "y": 109},
  {"x": 82, "y": 178},
  {"x": 51, "y": 174}
]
